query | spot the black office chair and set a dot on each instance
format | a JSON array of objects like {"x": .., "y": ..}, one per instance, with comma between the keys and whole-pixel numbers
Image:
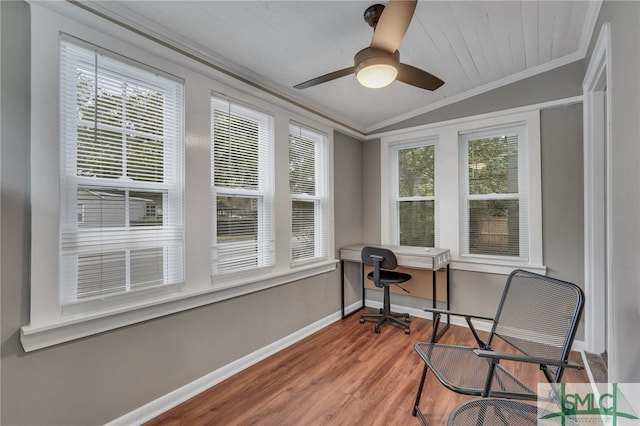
[{"x": 383, "y": 261}]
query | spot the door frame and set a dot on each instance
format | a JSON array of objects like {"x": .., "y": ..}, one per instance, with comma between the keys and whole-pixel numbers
[{"x": 597, "y": 198}]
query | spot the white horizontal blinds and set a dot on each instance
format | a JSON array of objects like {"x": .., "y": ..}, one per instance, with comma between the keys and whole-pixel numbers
[
  {"x": 121, "y": 222},
  {"x": 308, "y": 189},
  {"x": 415, "y": 192},
  {"x": 241, "y": 182},
  {"x": 494, "y": 221}
]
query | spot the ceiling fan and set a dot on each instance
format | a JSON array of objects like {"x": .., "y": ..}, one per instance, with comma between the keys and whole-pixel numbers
[{"x": 379, "y": 64}]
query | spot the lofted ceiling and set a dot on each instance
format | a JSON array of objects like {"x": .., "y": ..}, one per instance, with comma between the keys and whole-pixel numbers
[{"x": 474, "y": 46}]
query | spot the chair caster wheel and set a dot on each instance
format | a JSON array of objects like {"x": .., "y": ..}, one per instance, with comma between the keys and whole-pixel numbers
[
  {"x": 361, "y": 320},
  {"x": 377, "y": 329},
  {"x": 407, "y": 331}
]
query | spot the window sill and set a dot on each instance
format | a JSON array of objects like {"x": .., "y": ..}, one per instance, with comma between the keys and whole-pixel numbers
[
  {"x": 500, "y": 267},
  {"x": 67, "y": 329}
]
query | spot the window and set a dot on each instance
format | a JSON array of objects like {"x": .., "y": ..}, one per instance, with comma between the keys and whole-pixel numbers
[
  {"x": 162, "y": 194},
  {"x": 308, "y": 189},
  {"x": 241, "y": 184},
  {"x": 471, "y": 185},
  {"x": 413, "y": 194},
  {"x": 121, "y": 148},
  {"x": 493, "y": 213}
]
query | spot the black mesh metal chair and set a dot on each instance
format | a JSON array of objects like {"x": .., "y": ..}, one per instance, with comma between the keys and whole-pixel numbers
[
  {"x": 505, "y": 412},
  {"x": 536, "y": 319},
  {"x": 383, "y": 261}
]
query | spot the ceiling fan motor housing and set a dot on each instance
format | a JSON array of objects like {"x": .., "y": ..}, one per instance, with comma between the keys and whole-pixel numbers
[
  {"x": 372, "y": 56},
  {"x": 372, "y": 14}
]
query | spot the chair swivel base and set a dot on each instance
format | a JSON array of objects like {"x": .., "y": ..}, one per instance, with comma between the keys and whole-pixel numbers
[{"x": 399, "y": 319}]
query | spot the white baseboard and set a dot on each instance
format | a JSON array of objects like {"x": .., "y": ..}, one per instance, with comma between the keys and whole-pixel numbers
[
  {"x": 578, "y": 345},
  {"x": 178, "y": 396}
]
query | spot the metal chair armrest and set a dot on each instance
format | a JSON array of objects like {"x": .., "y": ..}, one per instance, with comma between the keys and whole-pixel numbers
[
  {"x": 524, "y": 358},
  {"x": 458, "y": 314},
  {"x": 468, "y": 317}
]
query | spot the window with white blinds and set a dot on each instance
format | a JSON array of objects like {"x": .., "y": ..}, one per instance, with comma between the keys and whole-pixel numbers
[
  {"x": 242, "y": 187},
  {"x": 121, "y": 182},
  {"x": 413, "y": 194},
  {"x": 494, "y": 212},
  {"x": 308, "y": 190}
]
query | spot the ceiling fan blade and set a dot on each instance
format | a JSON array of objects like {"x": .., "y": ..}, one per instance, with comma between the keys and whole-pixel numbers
[
  {"x": 325, "y": 78},
  {"x": 417, "y": 77},
  {"x": 393, "y": 24}
]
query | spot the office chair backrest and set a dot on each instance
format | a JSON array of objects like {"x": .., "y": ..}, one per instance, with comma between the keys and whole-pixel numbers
[
  {"x": 539, "y": 316},
  {"x": 389, "y": 260}
]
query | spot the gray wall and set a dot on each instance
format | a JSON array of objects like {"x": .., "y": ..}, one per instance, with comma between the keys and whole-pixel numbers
[
  {"x": 349, "y": 198},
  {"x": 102, "y": 377},
  {"x": 624, "y": 19},
  {"x": 562, "y": 192}
]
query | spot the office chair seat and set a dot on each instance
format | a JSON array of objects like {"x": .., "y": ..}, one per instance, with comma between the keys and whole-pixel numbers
[
  {"x": 383, "y": 262},
  {"x": 390, "y": 277}
]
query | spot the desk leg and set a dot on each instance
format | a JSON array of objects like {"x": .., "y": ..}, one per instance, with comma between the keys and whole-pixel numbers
[
  {"x": 437, "y": 336},
  {"x": 342, "y": 289},
  {"x": 342, "y": 286},
  {"x": 362, "y": 278}
]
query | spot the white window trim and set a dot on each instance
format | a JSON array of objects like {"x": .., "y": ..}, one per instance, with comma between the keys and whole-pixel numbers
[
  {"x": 47, "y": 326},
  {"x": 448, "y": 185},
  {"x": 172, "y": 185},
  {"x": 394, "y": 222},
  {"x": 322, "y": 213},
  {"x": 264, "y": 192},
  {"x": 522, "y": 195}
]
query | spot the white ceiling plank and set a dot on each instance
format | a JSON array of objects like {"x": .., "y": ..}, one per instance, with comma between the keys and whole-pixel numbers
[
  {"x": 529, "y": 16},
  {"x": 476, "y": 48},
  {"x": 575, "y": 26},
  {"x": 459, "y": 43},
  {"x": 546, "y": 24},
  {"x": 562, "y": 16},
  {"x": 482, "y": 24},
  {"x": 433, "y": 27},
  {"x": 497, "y": 22},
  {"x": 511, "y": 14}
]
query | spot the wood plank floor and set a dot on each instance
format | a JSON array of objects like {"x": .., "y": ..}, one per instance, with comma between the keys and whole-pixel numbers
[{"x": 344, "y": 374}]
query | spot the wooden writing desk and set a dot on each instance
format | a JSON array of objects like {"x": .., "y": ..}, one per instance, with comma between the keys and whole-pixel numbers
[{"x": 414, "y": 260}]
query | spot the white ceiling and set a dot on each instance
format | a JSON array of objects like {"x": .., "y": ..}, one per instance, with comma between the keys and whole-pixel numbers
[{"x": 473, "y": 46}]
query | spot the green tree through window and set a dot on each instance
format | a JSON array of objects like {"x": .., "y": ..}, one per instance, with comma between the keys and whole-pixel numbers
[{"x": 416, "y": 190}]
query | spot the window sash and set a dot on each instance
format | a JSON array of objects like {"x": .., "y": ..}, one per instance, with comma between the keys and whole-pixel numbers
[
  {"x": 407, "y": 227},
  {"x": 241, "y": 172},
  {"x": 308, "y": 187},
  {"x": 494, "y": 216},
  {"x": 121, "y": 149}
]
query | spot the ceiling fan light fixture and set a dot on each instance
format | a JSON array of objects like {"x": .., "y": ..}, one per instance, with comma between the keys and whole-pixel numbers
[
  {"x": 377, "y": 75},
  {"x": 375, "y": 68}
]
